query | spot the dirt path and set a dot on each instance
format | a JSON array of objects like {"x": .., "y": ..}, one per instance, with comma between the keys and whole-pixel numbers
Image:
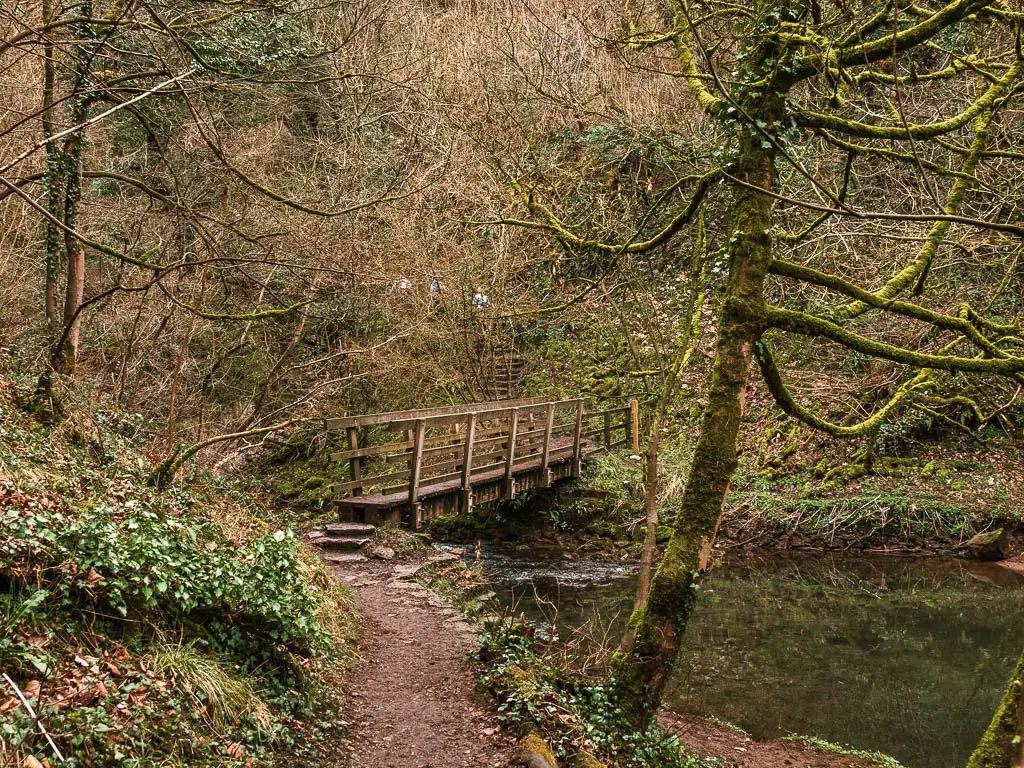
[{"x": 412, "y": 703}]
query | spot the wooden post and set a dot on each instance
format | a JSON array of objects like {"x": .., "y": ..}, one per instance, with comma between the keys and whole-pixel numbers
[
  {"x": 577, "y": 441},
  {"x": 545, "y": 473},
  {"x": 356, "y": 462},
  {"x": 634, "y": 426},
  {"x": 414, "y": 473},
  {"x": 510, "y": 458},
  {"x": 607, "y": 430},
  {"x": 467, "y": 466}
]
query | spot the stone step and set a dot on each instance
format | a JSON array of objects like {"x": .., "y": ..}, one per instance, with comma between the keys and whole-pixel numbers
[
  {"x": 344, "y": 558},
  {"x": 349, "y": 529},
  {"x": 338, "y": 543}
]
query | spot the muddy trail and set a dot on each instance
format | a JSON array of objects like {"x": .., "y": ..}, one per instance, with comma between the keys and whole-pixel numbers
[{"x": 412, "y": 702}]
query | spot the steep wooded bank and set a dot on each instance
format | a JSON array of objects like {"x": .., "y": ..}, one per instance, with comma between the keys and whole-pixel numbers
[{"x": 147, "y": 629}]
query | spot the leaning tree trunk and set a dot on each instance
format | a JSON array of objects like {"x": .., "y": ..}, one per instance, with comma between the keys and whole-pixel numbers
[
  {"x": 1002, "y": 746},
  {"x": 698, "y": 281},
  {"x": 642, "y": 668}
]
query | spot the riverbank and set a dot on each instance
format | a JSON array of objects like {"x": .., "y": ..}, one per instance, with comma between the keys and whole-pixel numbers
[
  {"x": 416, "y": 684},
  {"x": 145, "y": 628},
  {"x": 901, "y": 655},
  {"x": 716, "y": 739},
  {"x": 902, "y": 507},
  {"x": 429, "y": 690}
]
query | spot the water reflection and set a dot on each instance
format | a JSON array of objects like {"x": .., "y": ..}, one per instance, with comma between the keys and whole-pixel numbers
[{"x": 905, "y": 656}]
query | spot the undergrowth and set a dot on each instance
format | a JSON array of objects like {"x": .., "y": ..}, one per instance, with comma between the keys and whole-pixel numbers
[
  {"x": 153, "y": 629},
  {"x": 906, "y": 501},
  {"x": 575, "y": 716},
  {"x": 873, "y": 758}
]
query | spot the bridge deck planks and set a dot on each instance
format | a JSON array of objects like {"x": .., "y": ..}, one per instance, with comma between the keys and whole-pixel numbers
[{"x": 401, "y": 498}]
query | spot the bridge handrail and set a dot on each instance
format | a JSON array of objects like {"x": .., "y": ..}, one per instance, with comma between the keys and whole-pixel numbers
[
  {"x": 344, "y": 422},
  {"x": 509, "y": 432}
]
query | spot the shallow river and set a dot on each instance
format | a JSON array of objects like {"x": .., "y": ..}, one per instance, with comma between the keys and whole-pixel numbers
[{"x": 907, "y": 656}]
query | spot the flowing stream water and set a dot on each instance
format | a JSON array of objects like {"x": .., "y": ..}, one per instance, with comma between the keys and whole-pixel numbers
[{"x": 906, "y": 656}]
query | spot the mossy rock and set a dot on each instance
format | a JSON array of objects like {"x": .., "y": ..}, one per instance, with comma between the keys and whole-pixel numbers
[
  {"x": 535, "y": 752},
  {"x": 989, "y": 545}
]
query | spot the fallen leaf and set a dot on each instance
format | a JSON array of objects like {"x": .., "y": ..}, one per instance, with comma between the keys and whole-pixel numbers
[
  {"x": 32, "y": 689},
  {"x": 139, "y": 696},
  {"x": 235, "y": 750},
  {"x": 31, "y": 762}
]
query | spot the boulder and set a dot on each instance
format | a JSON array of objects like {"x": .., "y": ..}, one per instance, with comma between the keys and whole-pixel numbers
[{"x": 989, "y": 545}]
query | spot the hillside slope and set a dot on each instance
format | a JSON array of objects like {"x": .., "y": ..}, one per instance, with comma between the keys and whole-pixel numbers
[{"x": 151, "y": 629}]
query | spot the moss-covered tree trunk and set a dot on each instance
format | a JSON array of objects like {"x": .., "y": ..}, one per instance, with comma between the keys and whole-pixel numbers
[
  {"x": 66, "y": 355},
  {"x": 1002, "y": 745},
  {"x": 52, "y": 176},
  {"x": 643, "y": 666}
]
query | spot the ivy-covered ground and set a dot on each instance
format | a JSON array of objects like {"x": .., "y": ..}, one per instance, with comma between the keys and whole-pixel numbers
[{"x": 152, "y": 629}]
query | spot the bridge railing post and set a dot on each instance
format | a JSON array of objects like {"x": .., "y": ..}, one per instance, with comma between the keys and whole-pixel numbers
[
  {"x": 510, "y": 457},
  {"x": 416, "y": 464},
  {"x": 355, "y": 463},
  {"x": 634, "y": 426},
  {"x": 577, "y": 441},
  {"x": 545, "y": 460},
  {"x": 467, "y": 465}
]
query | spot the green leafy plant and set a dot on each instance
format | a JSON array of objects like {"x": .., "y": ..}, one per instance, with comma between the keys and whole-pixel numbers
[{"x": 573, "y": 715}]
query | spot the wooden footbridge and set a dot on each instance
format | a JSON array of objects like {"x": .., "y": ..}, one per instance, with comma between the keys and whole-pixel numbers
[{"x": 410, "y": 466}]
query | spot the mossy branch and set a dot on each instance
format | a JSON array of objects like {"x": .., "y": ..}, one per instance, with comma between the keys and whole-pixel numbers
[
  {"x": 989, "y": 101},
  {"x": 262, "y": 314},
  {"x": 917, "y": 272},
  {"x": 164, "y": 472},
  {"x": 809, "y": 325},
  {"x": 964, "y": 323},
  {"x": 785, "y": 400},
  {"x": 552, "y": 224},
  {"x": 886, "y": 46},
  {"x": 708, "y": 102}
]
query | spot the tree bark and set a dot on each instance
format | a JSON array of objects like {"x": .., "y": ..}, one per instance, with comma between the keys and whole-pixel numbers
[
  {"x": 641, "y": 673},
  {"x": 66, "y": 357},
  {"x": 52, "y": 177},
  {"x": 1002, "y": 746}
]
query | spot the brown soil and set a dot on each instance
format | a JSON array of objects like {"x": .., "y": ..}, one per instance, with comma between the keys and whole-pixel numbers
[
  {"x": 411, "y": 699},
  {"x": 710, "y": 739}
]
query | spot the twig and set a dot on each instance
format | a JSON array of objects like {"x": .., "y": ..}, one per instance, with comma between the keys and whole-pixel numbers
[{"x": 34, "y": 716}]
